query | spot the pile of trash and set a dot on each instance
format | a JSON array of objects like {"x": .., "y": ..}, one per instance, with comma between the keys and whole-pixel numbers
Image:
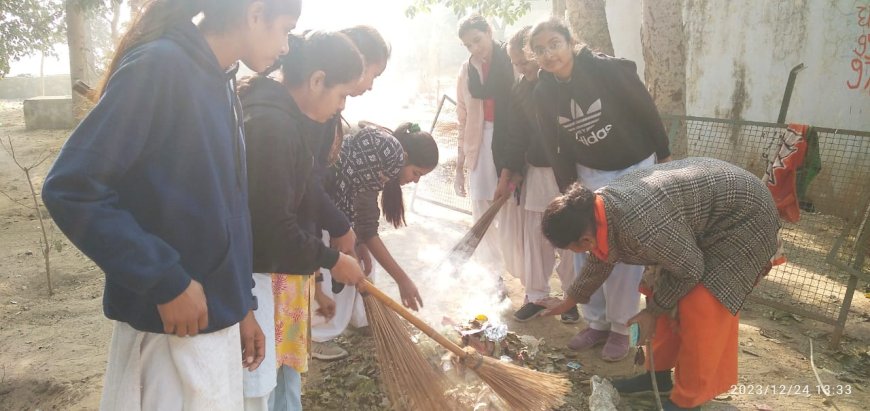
[{"x": 493, "y": 339}]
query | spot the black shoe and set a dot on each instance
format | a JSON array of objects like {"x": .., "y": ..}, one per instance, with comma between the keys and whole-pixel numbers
[
  {"x": 667, "y": 405},
  {"x": 571, "y": 316},
  {"x": 643, "y": 383},
  {"x": 528, "y": 311}
]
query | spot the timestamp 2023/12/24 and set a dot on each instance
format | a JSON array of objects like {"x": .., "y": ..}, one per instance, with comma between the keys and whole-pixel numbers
[{"x": 790, "y": 389}]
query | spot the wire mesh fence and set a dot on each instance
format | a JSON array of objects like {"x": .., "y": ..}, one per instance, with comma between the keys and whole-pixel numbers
[
  {"x": 437, "y": 187},
  {"x": 826, "y": 249}
]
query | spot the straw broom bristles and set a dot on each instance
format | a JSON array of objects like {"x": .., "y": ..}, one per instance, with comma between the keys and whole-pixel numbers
[
  {"x": 463, "y": 250},
  {"x": 521, "y": 388},
  {"x": 410, "y": 381}
]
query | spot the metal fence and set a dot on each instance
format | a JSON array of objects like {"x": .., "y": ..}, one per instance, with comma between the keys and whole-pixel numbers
[
  {"x": 826, "y": 248},
  {"x": 437, "y": 187}
]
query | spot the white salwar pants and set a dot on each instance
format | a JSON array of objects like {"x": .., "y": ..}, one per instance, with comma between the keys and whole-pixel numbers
[
  {"x": 150, "y": 371},
  {"x": 349, "y": 307},
  {"x": 612, "y": 305},
  {"x": 502, "y": 246},
  {"x": 539, "y": 188}
]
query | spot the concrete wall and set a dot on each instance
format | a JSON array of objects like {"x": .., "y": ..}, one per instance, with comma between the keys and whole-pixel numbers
[
  {"x": 17, "y": 88},
  {"x": 740, "y": 52}
]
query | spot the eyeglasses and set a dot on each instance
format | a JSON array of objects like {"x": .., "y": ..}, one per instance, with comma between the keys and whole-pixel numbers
[{"x": 552, "y": 48}]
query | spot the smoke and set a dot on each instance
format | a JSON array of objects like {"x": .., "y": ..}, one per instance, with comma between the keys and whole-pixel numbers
[{"x": 459, "y": 290}]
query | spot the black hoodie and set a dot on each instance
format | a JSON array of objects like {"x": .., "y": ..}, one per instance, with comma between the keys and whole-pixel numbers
[
  {"x": 603, "y": 118},
  {"x": 281, "y": 144}
]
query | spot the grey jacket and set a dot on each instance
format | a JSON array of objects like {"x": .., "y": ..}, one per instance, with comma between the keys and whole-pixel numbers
[{"x": 701, "y": 220}]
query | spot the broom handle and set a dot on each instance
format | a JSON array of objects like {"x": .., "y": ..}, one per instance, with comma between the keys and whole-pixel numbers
[{"x": 399, "y": 309}]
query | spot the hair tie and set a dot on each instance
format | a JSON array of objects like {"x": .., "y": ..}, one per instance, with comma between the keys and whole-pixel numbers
[{"x": 415, "y": 128}]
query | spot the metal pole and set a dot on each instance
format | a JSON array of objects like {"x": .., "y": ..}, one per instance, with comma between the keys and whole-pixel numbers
[
  {"x": 786, "y": 99},
  {"x": 861, "y": 242}
]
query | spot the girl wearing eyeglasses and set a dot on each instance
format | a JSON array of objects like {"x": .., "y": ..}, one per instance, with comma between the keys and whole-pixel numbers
[{"x": 598, "y": 122}]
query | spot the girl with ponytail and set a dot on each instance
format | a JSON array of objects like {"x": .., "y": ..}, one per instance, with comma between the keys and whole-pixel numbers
[
  {"x": 373, "y": 161},
  {"x": 375, "y": 53},
  {"x": 284, "y": 127},
  {"x": 152, "y": 187}
]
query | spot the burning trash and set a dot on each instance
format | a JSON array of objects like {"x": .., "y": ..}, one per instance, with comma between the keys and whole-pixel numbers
[{"x": 493, "y": 339}]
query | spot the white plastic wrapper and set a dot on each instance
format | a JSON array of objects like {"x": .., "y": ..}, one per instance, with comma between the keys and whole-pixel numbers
[{"x": 604, "y": 397}]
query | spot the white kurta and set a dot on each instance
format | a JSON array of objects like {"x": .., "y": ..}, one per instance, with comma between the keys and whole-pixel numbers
[{"x": 149, "y": 371}]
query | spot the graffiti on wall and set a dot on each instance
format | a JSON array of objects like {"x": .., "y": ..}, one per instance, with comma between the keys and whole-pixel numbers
[{"x": 860, "y": 63}]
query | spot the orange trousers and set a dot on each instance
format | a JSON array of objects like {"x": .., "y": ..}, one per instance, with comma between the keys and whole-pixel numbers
[{"x": 701, "y": 345}]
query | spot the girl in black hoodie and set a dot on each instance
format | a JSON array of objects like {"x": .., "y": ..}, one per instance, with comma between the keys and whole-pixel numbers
[
  {"x": 597, "y": 122},
  {"x": 284, "y": 123}
]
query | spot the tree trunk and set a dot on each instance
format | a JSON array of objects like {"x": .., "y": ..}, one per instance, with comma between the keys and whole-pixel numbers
[
  {"x": 588, "y": 22},
  {"x": 42, "y": 71},
  {"x": 559, "y": 8},
  {"x": 116, "y": 21},
  {"x": 81, "y": 55},
  {"x": 664, "y": 53},
  {"x": 136, "y": 6}
]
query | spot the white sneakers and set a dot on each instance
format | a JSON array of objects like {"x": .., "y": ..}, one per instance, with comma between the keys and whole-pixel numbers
[{"x": 327, "y": 351}]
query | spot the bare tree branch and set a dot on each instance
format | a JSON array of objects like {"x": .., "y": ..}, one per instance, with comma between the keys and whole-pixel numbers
[
  {"x": 45, "y": 157},
  {"x": 46, "y": 245},
  {"x": 13, "y": 200}
]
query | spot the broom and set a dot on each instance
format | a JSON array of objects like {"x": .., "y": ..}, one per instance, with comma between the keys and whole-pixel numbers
[
  {"x": 464, "y": 249},
  {"x": 410, "y": 381},
  {"x": 521, "y": 388}
]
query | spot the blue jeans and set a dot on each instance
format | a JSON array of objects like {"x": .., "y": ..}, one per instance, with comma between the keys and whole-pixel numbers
[{"x": 287, "y": 395}]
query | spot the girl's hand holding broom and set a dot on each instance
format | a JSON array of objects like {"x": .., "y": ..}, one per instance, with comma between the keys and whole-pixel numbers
[{"x": 347, "y": 270}]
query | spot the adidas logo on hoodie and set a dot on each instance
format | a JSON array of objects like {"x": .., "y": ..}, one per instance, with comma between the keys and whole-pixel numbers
[{"x": 582, "y": 124}]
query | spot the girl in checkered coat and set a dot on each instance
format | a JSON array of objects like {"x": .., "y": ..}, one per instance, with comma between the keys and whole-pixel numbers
[{"x": 707, "y": 232}]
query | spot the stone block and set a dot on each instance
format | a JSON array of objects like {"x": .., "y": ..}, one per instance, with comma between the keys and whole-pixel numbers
[{"x": 48, "y": 112}]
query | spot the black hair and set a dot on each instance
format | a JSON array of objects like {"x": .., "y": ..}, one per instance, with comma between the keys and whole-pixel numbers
[
  {"x": 473, "y": 22},
  {"x": 370, "y": 43},
  {"x": 157, "y": 16},
  {"x": 421, "y": 151},
  {"x": 331, "y": 52},
  {"x": 520, "y": 38},
  {"x": 569, "y": 216},
  {"x": 557, "y": 25}
]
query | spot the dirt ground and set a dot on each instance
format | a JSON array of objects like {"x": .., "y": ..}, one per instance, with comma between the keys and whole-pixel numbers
[{"x": 53, "y": 349}]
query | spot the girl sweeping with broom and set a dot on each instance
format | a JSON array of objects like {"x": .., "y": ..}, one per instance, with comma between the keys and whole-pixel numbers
[
  {"x": 374, "y": 162},
  {"x": 283, "y": 120},
  {"x": 707, "y": 232},
  {"x": 483, "y": 95}
]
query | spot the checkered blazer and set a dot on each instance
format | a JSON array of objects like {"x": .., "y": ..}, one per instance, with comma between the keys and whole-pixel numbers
[{"x": 700, "y": 220}]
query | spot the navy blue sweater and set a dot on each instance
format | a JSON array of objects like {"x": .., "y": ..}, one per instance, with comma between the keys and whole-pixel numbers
[{"x": 152, "y": 185}]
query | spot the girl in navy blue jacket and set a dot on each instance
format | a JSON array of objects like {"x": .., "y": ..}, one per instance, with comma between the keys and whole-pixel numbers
[{"x": 152, "y": 187}]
